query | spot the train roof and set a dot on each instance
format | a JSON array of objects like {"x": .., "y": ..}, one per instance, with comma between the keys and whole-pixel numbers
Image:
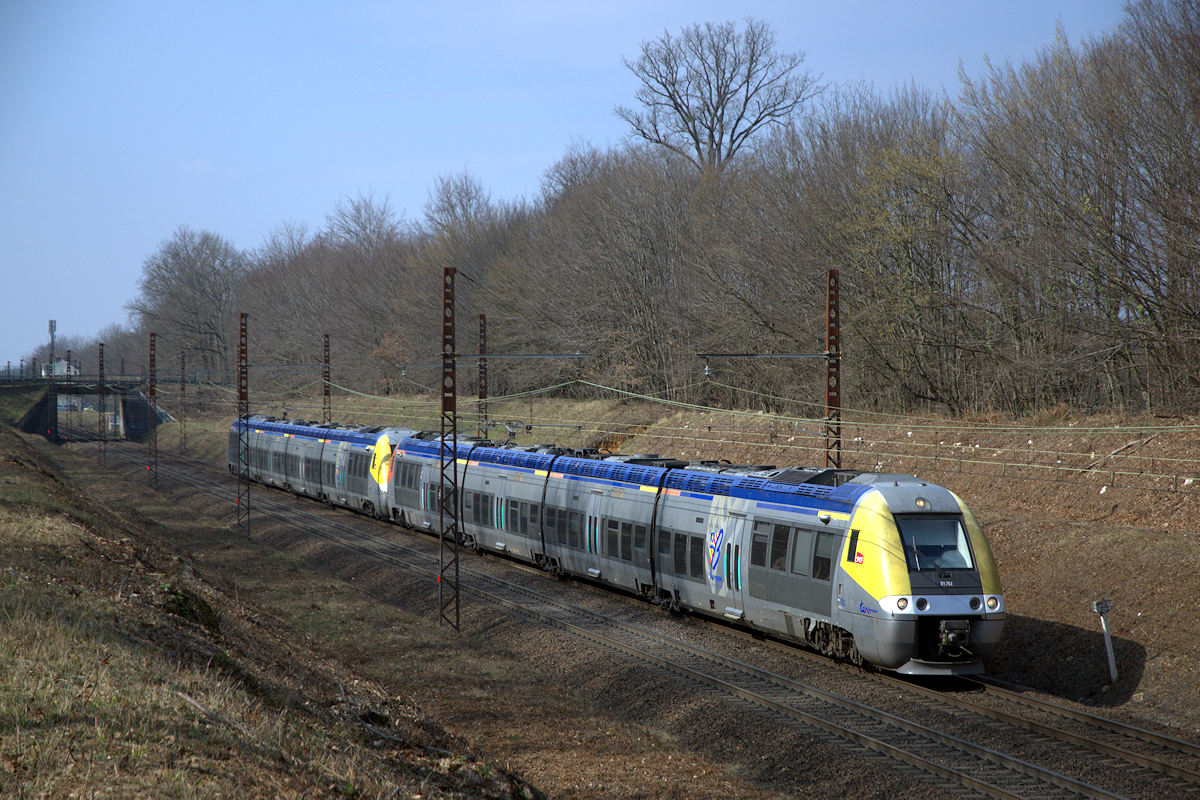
[
  {"x": 706, "y": 479},
  {"x": 694, "y": 478},
  {"x": 356, "y": 434}
]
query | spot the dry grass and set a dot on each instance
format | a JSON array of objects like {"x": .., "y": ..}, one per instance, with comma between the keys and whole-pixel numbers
[{"x": 125, "y": 675}]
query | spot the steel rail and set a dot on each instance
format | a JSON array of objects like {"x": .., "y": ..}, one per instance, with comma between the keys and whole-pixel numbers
[{"x": 993, "y": 686}]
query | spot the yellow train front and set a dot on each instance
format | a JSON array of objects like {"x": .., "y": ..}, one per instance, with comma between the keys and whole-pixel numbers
[{"x": 917, "y": 585}]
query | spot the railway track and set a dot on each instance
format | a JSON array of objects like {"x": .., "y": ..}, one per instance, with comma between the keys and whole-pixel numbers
[
  {"x": 1169, "y": 764},
  {"x": 1160, "y": 767}
]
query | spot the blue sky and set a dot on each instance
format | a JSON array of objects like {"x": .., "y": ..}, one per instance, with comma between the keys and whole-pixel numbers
[{"x": 121, "y": 121}]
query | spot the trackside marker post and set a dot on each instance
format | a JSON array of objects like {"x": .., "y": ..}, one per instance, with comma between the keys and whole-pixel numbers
[{"x": 1102, "y": 607}]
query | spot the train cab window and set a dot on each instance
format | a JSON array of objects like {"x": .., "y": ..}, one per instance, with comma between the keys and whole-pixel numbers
[
  {"x": 822, "y": 556},
  {"x": 934, "y": 542},
  {"x": 681, "y": 563},
  {"x": 696, "y": 562},
  {"x": 780, "y": 535}
]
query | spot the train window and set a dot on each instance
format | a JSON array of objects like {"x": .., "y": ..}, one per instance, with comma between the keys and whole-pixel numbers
[
  {"x": 407, "y": 477},
  {"x": 681, "y": 541},
  {"x": 627, "y": 541},
  {"x": 822, "y": 556},
  {"x": 852, "y": 548},
  {"x": 562, "y": 529},
  {"x": 477, "y": 507},
  {"x": 758, "y": 544},
  {"x": 801, "y": 549},
  {"x": 513, "y": 517},
  {"x": 664, "y": 543},
  {"x": 780, "y": 535},
  {"x": 696, "y": 562},
  {"x": 551, "y": 518},
  {"x": 639, "y": 537},
  {"x": 612, "y": 538},
  {"x": 575, "y": 531}
]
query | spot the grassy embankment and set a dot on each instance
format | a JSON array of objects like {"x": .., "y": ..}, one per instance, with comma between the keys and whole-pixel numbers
[{"x": 126, "y": 674}]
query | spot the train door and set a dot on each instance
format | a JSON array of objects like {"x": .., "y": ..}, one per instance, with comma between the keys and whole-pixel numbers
[
  {"x": 293, "y": 479},
  {"x": 812, "y": 557},
  {"x": 593, "y": 561},
  {"x": 430, "y": 488},
  {"x": 725, "y": 562},
  {"x": 341, "y": 458}
]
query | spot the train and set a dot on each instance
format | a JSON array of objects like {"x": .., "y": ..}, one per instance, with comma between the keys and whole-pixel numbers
[{"x": 867, "y": 567}]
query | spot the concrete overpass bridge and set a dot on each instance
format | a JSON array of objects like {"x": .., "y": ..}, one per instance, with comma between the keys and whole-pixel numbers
[{"x": 123, "y": 407}]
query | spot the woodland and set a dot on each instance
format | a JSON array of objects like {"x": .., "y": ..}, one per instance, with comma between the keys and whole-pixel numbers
[{"x": 1031, "y": 242}]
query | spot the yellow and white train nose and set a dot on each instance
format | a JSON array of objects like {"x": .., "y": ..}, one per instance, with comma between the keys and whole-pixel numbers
[{"x": 918, "y": 586}]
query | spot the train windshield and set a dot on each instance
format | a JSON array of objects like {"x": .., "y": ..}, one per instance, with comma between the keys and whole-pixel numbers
[{"x": 932, "y": 542}]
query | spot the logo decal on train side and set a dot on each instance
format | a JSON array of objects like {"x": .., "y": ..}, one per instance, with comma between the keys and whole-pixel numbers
[
  {"x": 715, "y": 540},
  {"x": 858, "y": 557}
]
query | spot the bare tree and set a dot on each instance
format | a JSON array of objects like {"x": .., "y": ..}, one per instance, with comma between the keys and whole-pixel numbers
[
  {"x": 188, "y": 290},
  {"x": 707, "y": 92}
]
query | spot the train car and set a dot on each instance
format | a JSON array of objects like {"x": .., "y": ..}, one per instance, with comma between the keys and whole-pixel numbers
[
  {"x": 882, "y": 568},
  {"x": 343, "y": 466},
  {"x": 868, "y": 567}
]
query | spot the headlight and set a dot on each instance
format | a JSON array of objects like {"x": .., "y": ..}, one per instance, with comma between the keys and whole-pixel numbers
[
  {"x": 993, "y": 603},
  {"x": 922, "y": 604},
  {"x": 902, "y": 603},
  {"x": 975, "y": 604}
]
